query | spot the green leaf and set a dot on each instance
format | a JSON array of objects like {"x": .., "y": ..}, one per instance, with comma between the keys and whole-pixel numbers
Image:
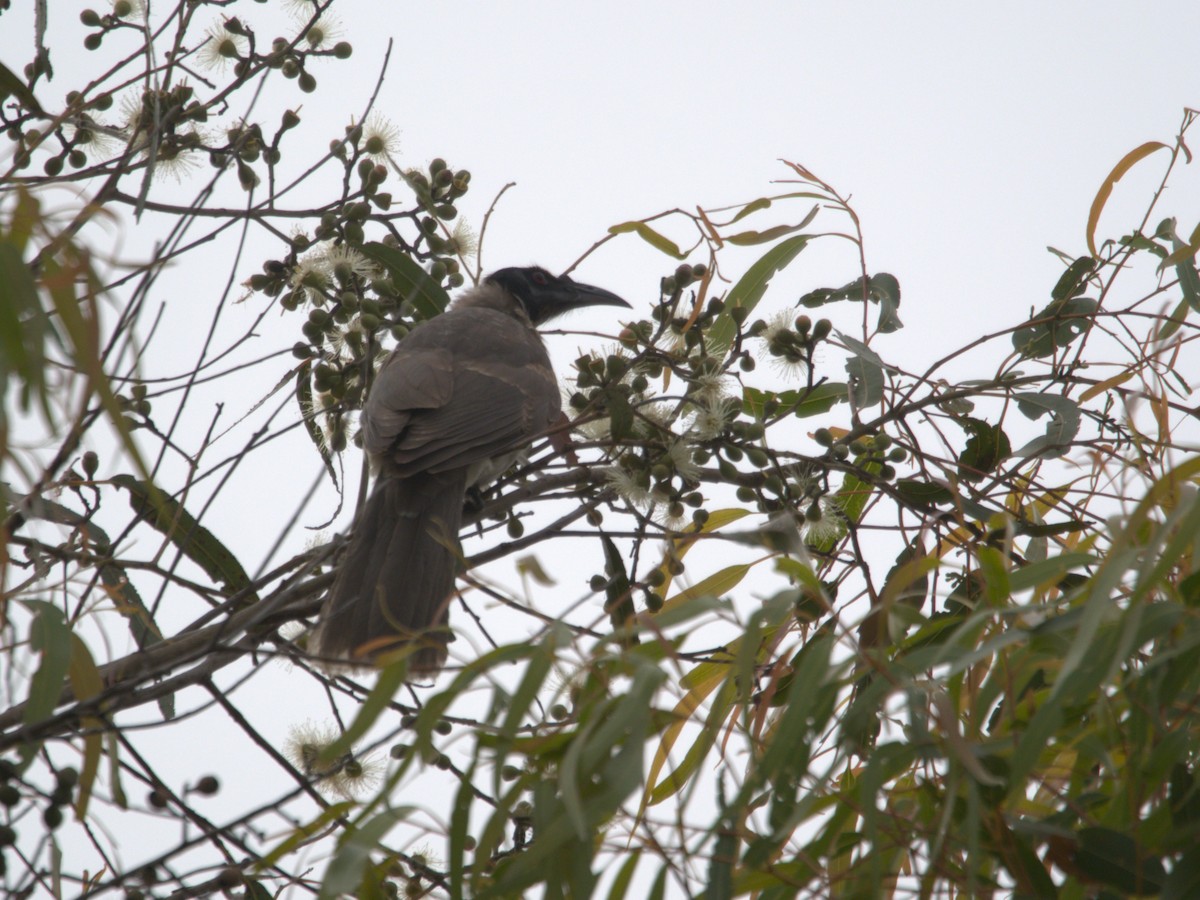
[
  {"x": 1048, "y": 529},
  {"x": 720, "y": 866},
  {"x": 1055, "y": 327},
  {"x": 349, "y": 863},
  {"x": 86, "y": 683},
  {"x": 23, "y": 327},
  {"x": 1060, "y": 429},
  {"x": 12, "y": 86},
  {"x": 303, "y": 832},
  {"x": 716, "y": 585},
  {"x": 752, "y": 207},
  {"x": 887, "y": 288},
  {"x": 1184, "y": 881},
  {"x": 308, "y": 415},
  {"x": 619, "y": 603},
  {"x": 1175, "y": 319},
  {"x": 1074, "y": 280},
  {"x": 678, "y": 778},
  {"x": 414, "y": 284},
  {"x": 750, "y": 289},
  {"x": 986, "y": 449},
  {"x": 193, "y": 540},
  {"x": 391, "y": 678},
  {"x": 1034, "y": 739},
  {"x": 1114, "y": 858},
  {"x": 858, "y": 348},
  {"x": 624, "y": 877},
  {"x": 821, "y": 399},
  {"x": 865, "y": 368},
  {"x": 620, "y": 415},
  {"x": 813, "y": 402},
  {"x": 717, "y": 519},
  {"x": 923, "y": 493},
  {"x": 532, "y": 682},
  {"x": 129, "y": 603},
  {"x": 113, "y": 576},
  {"x": 788, "y": 753},
  {"x": 74, "y": 290},
  {"x": 50, "y": 637},
  {"x": 1185, "y": 268},
  {"x": 659, "y": 888},
  {"x": 1138, "y": 241},
  {"x": 993, "y": 569},
  {"x": 602, "y": 766},
  {"x": 907, "y": 581},
  {"x": 754, "y": 401},
  {"x": 852, "y": 499},
  {"x": 747, "y": 238},
  {"x": 651, "y": 237},
  {"x": 883, "y": 288},
  {"x": 460, "y": 815},
  {"x": 593, "y": 742}
]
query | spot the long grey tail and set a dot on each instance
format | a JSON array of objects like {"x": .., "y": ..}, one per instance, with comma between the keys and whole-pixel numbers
[{"x": 394, "y": 582}]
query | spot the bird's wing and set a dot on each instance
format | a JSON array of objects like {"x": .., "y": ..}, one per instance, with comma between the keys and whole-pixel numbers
[
  {"x": 495, "y": 408},
  {"x": 420, "y": 378},
  {"x": 459, "y": 390}
]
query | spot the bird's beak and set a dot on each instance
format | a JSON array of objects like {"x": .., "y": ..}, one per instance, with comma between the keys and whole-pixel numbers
[
  {"x": 590, "y": 295},
  {"x": 567, "y": 295}
]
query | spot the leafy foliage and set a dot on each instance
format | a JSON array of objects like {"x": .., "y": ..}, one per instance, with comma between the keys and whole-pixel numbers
[{"x": 738, "y": 704}]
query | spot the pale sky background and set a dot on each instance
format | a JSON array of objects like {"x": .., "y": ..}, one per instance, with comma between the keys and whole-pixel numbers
[{"x": 970, "y": 136}]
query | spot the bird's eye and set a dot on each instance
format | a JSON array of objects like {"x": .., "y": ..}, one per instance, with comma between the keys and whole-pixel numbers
[{"x": 539, "y": 278}]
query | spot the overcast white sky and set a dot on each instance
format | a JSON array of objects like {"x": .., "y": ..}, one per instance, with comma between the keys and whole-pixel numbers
[{"x": 969, "y": 135}]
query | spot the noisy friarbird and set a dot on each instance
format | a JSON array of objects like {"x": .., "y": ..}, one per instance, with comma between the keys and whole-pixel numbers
[{"x": 452, "y": 406}]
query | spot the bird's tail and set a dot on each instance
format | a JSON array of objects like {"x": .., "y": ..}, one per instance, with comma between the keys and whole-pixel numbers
[{"x": 394, "y": 582}]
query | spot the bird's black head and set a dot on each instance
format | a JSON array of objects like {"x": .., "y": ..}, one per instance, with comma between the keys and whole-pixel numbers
[{"x": 545, "y": 296}]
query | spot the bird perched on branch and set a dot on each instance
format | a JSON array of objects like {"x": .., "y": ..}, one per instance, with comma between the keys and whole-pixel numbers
[{"x": 453, "y": 406}]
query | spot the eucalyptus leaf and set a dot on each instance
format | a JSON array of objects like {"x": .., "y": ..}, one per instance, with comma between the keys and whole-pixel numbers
[
  {"x": 1074, "y": 280},
  {"x": 650, "y": 236},
  {"x": 1061, "y": 428},
  {"x": 987, "y": 447},
  {"x": 412, "y": 281},
  {"x": 750, "y": 289},
  {"x": 1055, "y": 327},
  {"x": 304, "y": 397},
  {"x": 168, "y": 516},
  {"x": 865, "y": 368},
  {"x": 1185, "y": 267},
  {"x": 882, "y": 288}
]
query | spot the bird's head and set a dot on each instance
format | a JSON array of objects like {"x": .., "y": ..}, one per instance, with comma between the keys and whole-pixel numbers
[{"x": 545, "y": 296}]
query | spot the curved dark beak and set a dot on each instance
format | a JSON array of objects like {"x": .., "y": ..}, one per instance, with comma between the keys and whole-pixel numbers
[{"x": 566, "y": 294}]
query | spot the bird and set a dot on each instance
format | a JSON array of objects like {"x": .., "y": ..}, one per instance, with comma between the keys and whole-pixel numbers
[{"x": 452, "y": 407}]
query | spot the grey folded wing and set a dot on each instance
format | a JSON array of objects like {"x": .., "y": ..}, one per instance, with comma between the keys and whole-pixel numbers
[{"x": 462, "y": 389}]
